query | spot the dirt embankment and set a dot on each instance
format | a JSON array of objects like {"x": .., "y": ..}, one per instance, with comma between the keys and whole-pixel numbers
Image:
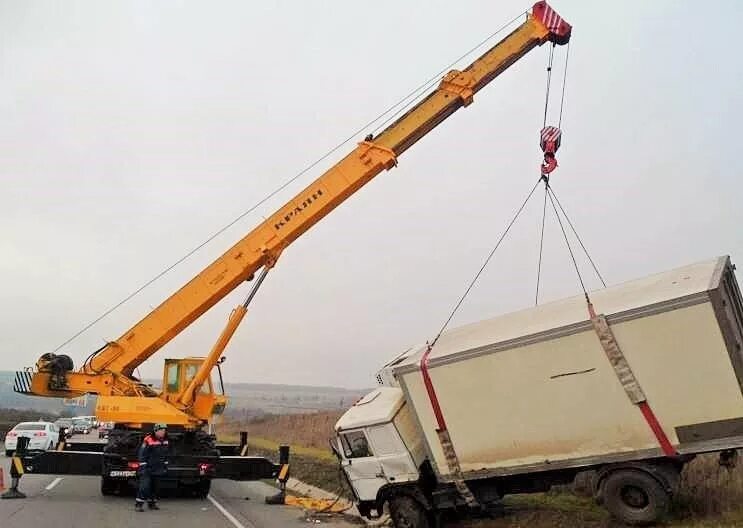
[{"x": 306, "y": 430}]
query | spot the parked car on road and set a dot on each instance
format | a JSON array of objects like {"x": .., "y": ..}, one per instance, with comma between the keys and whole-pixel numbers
[{"x": 42, "y": 436}]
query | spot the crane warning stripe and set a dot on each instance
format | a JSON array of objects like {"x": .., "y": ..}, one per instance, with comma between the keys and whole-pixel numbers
[{"x": 18, "y": 465}]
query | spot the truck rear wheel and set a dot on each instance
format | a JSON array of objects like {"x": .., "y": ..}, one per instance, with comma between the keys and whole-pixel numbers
[
  {"x": 406, "y": 512},
  {"x": 635, "y": 498}
]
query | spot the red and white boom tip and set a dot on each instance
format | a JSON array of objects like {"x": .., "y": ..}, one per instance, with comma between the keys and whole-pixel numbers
[{"x": 558, "y": 28}]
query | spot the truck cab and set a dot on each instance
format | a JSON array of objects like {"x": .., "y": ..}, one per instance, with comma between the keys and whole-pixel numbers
[{"x": 378, "y": 445}]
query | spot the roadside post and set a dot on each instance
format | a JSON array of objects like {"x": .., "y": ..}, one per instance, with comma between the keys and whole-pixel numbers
[
  {"x": 17, "y": 470},
  {"x": 282, "y": 477}
]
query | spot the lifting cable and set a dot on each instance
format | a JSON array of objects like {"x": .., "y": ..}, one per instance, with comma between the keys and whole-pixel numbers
[
  {"x": 401, "y": 106},
  {"x": 564, "y": 82},
  {"x": 550, "y": 195},
  {"x": 541, "y": 245},
  {"x": 549, "y": 81},
  {"x": 567, "y": 243},
  {"x": 577, "y": 236},
  {"x": 549, "y": 145},
  {"x": 557, "y": 206},
  {"x": 550, "y": 138},
  {"x": 484, "y": 265}
]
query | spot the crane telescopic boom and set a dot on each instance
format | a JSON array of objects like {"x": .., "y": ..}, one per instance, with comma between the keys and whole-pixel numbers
[{"x": 109, "y": 371}]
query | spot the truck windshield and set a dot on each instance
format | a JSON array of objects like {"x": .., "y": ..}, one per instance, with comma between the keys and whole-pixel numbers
[{"x": 355, "y": 445}]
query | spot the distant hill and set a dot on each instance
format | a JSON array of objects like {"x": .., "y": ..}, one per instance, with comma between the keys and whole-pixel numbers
[
  {"x": 248, "y": 399},
  {"x": 261, "y": 398}
]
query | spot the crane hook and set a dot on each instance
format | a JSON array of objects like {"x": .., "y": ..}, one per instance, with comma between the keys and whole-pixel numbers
[{"x": 549, "y": 140}]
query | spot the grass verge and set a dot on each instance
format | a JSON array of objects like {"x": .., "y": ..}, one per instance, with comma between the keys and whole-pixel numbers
[{"x": 311, "y": 465}]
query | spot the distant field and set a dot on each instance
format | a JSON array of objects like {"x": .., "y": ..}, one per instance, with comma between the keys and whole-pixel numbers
[
  {"x": 710, "y": 495},
  {"x": 306, "y": 430},
  {"x": 251, "y": 399}
]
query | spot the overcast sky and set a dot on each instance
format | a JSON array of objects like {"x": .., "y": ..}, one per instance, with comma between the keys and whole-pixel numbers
[{"x": 131, "y": 131}]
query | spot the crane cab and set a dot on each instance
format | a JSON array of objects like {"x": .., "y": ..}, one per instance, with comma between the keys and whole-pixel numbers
[{"x": 178, "y": 375}]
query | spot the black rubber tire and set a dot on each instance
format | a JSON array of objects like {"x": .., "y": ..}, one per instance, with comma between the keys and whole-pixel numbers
[
  {"x": 202, "y": 488},
  {"x": 635, "y": 498},
  {"x": 8, "y": 453},
  {"x": 407, "y": 512},
  {"x": 108, "y": 486},
  {"x": 65, "y": 362}
]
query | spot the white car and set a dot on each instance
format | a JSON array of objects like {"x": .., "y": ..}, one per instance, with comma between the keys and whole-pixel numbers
[{"x": 42, "y": 436}]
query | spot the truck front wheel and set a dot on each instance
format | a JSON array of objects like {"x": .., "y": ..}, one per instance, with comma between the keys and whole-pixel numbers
[
  {"x": 406, "y": 512},
  {"x": 635, "y": 498}
]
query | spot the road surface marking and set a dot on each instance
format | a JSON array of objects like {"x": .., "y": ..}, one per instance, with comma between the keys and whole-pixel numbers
[
  {"x": 228, "y": 515},
  {"x": 54, "y": 483}
]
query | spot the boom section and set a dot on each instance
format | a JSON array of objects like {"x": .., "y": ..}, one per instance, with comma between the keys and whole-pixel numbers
[{"x": 263, "y": 245}]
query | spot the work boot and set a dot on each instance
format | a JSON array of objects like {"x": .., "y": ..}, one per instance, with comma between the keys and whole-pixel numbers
[
  {"x": 139, "y": 506},
  {"x": 153, "y": 506}
]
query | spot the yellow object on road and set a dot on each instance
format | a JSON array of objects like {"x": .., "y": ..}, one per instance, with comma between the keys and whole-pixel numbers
[{"x": 317, "y": 505}]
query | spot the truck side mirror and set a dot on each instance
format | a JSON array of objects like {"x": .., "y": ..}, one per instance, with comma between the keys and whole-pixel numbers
[{"x": 333, "y": 448}]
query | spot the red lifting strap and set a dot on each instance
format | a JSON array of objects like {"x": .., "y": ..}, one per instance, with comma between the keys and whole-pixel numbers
[
  {"x": 627, "y": 378},
  {"x": 432, "y": 391}
]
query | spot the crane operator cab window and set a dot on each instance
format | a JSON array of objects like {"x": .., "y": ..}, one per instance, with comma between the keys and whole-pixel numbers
[
  {"x": 179, "y": 373},
  {"x": 172, "y": 377},
  {"x": 191, "y": 369}
]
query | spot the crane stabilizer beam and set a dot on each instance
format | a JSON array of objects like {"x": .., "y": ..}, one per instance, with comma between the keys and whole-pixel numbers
[{"x": 264, "y": 243}]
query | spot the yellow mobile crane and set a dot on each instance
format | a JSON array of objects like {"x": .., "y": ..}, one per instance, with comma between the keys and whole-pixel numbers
[{"x": 187, "y": 399}]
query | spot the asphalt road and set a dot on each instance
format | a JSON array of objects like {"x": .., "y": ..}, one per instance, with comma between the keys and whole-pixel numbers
[{"x": 76, "y": 502}]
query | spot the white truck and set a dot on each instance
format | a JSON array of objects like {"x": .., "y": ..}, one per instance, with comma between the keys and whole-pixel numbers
[{"x": 515, "y": 404}]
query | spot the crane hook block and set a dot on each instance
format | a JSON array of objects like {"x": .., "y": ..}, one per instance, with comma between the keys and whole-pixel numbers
[{"x": 549, "y": 140}]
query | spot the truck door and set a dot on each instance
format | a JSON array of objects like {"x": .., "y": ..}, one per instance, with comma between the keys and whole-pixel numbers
[
  {"x": 361, "y": 466},
  {"x": 394, "y": 458}
]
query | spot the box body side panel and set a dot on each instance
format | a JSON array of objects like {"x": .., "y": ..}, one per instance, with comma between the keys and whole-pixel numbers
[{"x": 560, "y": 400}]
